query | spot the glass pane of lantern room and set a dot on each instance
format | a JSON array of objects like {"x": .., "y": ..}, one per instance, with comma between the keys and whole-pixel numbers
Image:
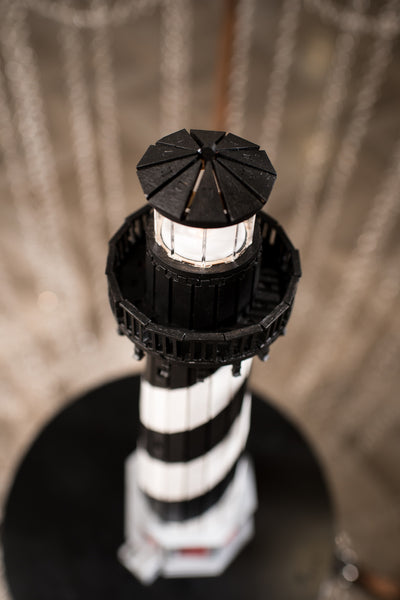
[
  {"x": 183, "y": 241},
  {"x": 203, "y": 246}
]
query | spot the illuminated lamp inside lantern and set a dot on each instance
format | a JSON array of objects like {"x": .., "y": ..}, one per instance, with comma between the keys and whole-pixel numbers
[{"x": 203, "y": 247}]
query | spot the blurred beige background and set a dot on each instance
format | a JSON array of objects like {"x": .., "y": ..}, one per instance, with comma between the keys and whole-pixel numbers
[{"x": 85, "y": 87}]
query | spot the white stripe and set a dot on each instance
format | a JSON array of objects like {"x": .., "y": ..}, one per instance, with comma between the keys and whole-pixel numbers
[
  {"x": 175, "y": 482},
  {"x": 171, "y": 411}
]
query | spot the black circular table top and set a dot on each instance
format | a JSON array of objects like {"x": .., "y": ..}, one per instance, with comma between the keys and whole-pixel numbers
[{"x": 64, "y": 515}]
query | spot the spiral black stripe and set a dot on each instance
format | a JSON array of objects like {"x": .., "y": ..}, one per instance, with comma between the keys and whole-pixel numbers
[
  {"x": 189, "y": 509},
  {"x": 188, "y": 445}
]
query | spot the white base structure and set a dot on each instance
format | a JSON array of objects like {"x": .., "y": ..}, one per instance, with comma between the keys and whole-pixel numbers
[{"x": 199, "y": 547}]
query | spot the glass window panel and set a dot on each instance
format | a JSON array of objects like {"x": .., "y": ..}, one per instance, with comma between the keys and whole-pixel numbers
[{"x": 203, "y": 247}]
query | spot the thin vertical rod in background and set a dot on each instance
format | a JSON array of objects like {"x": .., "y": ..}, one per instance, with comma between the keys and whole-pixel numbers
[
  {"x": 349, "y": 149},
  {"x": 365, "y": 398},
  {"x": 278, "y": 82},
  {"x": 25, "y": 209},
  {"x": 19, "y": 333},
  {"x": 240, "y": 66},
  {"x": 108, "y": 127},
  {"x": 176, "y": 37},
  {"x": 226, "y": 41},
  {"x": 82, "y": 133},
  {"x": 347, "y": 156},
  {"x": 22, "y": 74},
  {"x": 317, "y": 160},
  {"x": 354, "y": 281},
  {"x": 350, "y": 292}
]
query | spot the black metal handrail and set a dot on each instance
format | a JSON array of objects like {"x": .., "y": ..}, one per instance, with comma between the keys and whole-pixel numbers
[{"x": 206, "y": 348}]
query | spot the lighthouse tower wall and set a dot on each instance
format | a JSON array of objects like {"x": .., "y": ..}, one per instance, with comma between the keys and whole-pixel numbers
[
  {"x": 190, "y": 493},
  {"x": 191, "y": 440}
]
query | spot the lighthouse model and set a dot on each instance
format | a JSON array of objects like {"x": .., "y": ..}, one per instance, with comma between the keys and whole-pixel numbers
[{"x": 201, "y": 281}]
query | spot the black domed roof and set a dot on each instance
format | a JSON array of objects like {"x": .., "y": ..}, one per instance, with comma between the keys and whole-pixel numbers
[{"x": 206, "y": 178}]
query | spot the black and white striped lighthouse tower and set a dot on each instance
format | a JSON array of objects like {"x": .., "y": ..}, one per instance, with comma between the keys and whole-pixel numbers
[{"x": 201, "y": 280}]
